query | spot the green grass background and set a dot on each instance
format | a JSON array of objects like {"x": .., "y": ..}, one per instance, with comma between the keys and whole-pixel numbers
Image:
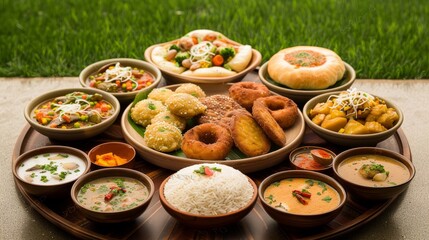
[{"x": 379, "y": 38}]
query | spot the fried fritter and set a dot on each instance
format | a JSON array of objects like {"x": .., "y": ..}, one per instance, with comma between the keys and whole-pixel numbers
[
  {"x": 262, "y": 115},
  {"x": 217, "y": 108},
  {"x": 248, "y": 136}
]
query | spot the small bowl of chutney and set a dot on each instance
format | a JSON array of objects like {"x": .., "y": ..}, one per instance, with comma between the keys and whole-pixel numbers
[{"x": 312, "y": 158}]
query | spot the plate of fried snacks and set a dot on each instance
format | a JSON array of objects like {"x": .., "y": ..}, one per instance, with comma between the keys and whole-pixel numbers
[{"x": 243, "y": 125}]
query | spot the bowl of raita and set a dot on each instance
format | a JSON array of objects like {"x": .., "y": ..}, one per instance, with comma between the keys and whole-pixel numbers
[{"x": 50, "y": 171}]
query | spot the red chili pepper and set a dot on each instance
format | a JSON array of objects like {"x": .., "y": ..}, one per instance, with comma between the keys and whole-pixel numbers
[
  {"x": 303, "y": 194},
  {"x": 208, "y": 171},
  {"x": 108, "y": 196},
  {"x": 113, "y": 192},
  {"x": 301, "y": 199}
]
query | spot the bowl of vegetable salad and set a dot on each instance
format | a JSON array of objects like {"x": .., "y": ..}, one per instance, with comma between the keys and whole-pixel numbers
[
  {"x": 72, "y": 113},
  {"x": 122, "y": 77}
]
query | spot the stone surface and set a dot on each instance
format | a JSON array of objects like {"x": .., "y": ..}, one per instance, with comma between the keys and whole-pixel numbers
[{"x": 404, "y": 219}]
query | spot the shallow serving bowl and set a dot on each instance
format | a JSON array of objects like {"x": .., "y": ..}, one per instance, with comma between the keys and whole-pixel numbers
[
  {"x": 55, "y": 190},
  {"x": 301, "y": 220},
  {"x": 178, "y": 78},
  {"x": 353, "y": 140},
  {"x": 125, "y": 97},
  {"x": 119, "y": 216},
  {"x": 302, "y": 159},
  {"x": 294, "y": 137},
  {"x": 75, "y": 133},
  {"x": 373, "y": 193},
  {"x": 120, "y": 149},
  {"x": 301, "y": 96},
  {"x": 201, "y": 221}
]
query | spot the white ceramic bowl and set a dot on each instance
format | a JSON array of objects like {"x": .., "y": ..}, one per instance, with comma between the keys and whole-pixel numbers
[
  {"x": 75, "y": 133},
  {"x": 123, "y": 97},
  {"x": 352, "y": 140}
]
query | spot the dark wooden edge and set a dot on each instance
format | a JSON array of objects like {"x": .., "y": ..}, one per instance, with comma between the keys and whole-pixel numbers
[{"x": 81, "y": 232}]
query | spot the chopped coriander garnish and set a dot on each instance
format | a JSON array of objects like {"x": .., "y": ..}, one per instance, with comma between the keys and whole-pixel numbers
[
  {"x": 202, "y": 170},
  {"x": 44, "y": 179},
  {"x": 151, "y": 106},
  {"x": 276, "y": 184},
  {"x": 310, "y": 182},
  {"x": 327, "y": 199},
  {"x": 271, "y": 198},
  {"x": 119, "y": 182}
]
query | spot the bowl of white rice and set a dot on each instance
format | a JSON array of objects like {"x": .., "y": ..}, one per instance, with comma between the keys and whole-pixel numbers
[{"x": 208, "y": 195}]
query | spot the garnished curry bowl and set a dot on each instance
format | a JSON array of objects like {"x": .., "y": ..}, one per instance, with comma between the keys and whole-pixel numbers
[
  {"x": 372, "y": 173},
  {"x": 112, "y": 195},
  {"x": 203, "y": 48},
  {"x": 122, "y": 77},
  {"x": 72, "y": 113},
  {"x": 50, "y": 171},
  {"x": 208, "y": 195},
  {"x": 301, "y": 96},
  {"x": 112, "y": 154},
  {"x": 341, "y": 127},
  {"x": 301, "y": 198}
]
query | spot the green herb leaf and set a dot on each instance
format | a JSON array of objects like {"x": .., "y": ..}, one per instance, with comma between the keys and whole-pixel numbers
[{"x": 327, "y": 199}]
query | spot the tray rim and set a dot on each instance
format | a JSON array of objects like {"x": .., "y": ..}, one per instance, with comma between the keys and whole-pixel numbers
[{"x": 82, "y": 232}]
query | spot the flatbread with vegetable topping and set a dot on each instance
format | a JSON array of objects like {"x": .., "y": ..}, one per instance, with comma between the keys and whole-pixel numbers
[{"x": 202, "y": 53}]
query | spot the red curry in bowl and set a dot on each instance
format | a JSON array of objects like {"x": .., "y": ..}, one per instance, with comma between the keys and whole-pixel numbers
[{"x": 312, "y": 158}]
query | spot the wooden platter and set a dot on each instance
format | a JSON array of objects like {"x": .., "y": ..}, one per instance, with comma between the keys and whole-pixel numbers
[{"x": 156, "y": 223}]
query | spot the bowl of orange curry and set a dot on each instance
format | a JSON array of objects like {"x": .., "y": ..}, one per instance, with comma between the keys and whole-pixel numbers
[{"x": 301, "y": 198}]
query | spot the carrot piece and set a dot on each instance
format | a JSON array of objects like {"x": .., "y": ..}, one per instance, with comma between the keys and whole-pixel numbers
[
  {"x": 66, "y": 118},
  {"x": 104, "y": 108},
  {"x": 129, "y": 86},
  {"x": 217, "y": 60},
  {"x": 195, "y": 40}
]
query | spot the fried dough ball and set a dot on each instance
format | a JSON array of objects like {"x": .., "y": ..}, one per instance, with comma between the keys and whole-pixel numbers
[
  {"x": 185, "y": 105},
  {"x": 248, "y": 136},
  {"x": 170, "y": 118},
  {"x": 245, "y": 93},
  {"x": 262, "y": 115},
  {"x": 192, "y": 89},
  {"x": 207, "y": 141},
  {"x": 160, "y": 94},
  {"x": 163, "y": 137},
  {"x": 143, "y": 112}
]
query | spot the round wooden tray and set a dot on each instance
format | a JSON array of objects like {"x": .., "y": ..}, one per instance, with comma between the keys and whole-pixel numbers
[{"x": 156, "y": 223}]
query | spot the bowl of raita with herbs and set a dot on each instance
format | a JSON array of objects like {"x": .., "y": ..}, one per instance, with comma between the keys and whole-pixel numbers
[{"x": 50, "y": 171}]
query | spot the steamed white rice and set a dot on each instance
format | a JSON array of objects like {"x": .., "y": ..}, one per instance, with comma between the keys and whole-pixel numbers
[{"x": 223, "y": 192}]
